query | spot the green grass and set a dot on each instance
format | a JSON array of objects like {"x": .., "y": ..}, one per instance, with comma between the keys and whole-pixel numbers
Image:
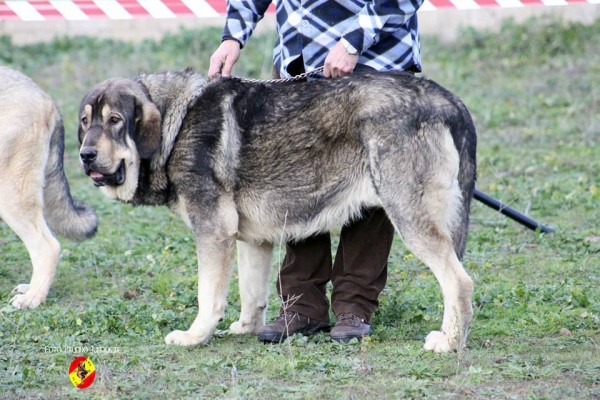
[{"x": 534, "y": 91}]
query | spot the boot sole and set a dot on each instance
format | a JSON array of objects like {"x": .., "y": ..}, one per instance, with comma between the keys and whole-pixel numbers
[
  {"x": 346, "y": 339},
  {"x": 274, "y": 337}
]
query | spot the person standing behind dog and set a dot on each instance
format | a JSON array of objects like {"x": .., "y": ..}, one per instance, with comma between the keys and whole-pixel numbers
[{"x": 343, "y": 36}]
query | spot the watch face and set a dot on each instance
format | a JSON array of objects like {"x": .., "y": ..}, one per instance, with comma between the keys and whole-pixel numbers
[{"x": 349, "y": 48}]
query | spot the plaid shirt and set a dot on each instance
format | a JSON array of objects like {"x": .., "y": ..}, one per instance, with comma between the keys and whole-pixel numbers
[{"x": 383, "y": 31}]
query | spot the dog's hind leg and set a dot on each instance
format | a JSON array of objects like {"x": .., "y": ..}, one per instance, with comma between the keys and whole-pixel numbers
[
  {"x": 26, "y": 219},
  {"x": 435, "y": 249},
  {"x": 421, "y": 195},
  {"x": 429, "y": 241},
  {"x": 254, "y": 267},
  {"x": 21, "y": 207}
]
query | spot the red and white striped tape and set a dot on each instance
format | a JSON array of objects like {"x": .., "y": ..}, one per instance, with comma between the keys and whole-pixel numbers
[{"x": 43, "y": 10}]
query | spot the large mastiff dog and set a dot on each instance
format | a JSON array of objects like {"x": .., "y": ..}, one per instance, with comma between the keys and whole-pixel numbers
[
  {"x": 264, "y": 162},
  {"x": 35, "y": 199}
]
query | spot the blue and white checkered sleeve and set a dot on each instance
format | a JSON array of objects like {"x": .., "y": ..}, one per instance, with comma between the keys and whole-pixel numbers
[
  {"x": 377, "y": 19},
  {"x": 242, "y": 17}
]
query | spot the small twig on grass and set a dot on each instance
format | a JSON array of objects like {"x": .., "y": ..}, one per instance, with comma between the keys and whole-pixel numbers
[
  {"x": 234, "y": 375},
  {"x": 4, "y": 316},
  {"x": 461, "y": 341},
  {"x": 364, "y": 367},
  {"x": 594, "y": 343},
  {"x": 284, "y": 303}
]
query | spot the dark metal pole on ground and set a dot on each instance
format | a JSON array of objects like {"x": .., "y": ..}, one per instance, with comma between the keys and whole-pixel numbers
[{"x": 510, "y": 212}]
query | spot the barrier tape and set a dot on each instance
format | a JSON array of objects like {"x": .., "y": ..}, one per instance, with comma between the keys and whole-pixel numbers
[{"x": 79, "y": 10}]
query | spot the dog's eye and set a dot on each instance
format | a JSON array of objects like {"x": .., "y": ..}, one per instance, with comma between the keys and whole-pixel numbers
[
  {"x": 114, "y": 120},
  {"x": 84, "y": 120}
]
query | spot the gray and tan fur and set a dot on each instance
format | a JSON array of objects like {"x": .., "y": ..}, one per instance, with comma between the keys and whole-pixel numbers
[
  {"x": 259, "y": 162},
  {"x": 35, "y": 199}
]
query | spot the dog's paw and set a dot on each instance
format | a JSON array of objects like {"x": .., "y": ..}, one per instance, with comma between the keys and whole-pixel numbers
[
  {"x": 438, "y": 342},
  {"x": 21, "y": 289},
  {"x": 240, "y": 328},
  {"x": 23, "y": 301},
  {"x": 185, "y": 338}
]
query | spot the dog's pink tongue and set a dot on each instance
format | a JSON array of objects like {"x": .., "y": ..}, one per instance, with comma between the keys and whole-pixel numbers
[{"x": 95, "y": 175}]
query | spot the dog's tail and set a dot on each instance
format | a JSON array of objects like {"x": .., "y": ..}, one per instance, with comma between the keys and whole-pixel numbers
[
  {"x": 464, "y": 135},
  {"x": 66, "y": 217}
]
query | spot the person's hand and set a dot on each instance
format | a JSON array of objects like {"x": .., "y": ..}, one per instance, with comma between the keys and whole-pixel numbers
[
  {"x": 222, "y": 60},
  {"x": 338, "y": 62}
]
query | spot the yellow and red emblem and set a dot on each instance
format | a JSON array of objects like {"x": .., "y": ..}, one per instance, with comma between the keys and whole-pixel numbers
[{"x": 82, "y": 372}]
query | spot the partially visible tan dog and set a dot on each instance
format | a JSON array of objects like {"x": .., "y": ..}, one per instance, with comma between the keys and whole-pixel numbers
[{"x": 35, "y": 198}]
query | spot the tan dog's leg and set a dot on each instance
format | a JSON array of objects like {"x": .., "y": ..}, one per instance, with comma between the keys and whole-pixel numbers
[
  {"x": 43, "y": 249},
  {"x": 254, "y": 267},
  {"x": 21, "y": 207}
]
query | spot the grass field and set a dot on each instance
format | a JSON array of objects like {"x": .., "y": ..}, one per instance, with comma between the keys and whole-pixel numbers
[{"x": 534, "y": 91}]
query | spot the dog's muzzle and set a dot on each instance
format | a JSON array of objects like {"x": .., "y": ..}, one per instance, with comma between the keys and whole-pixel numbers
[{"x": 115, "y": 179}]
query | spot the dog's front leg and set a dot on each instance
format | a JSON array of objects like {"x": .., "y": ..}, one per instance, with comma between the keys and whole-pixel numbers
[
  {"x": 215, "y": 258},
  {"x": 254, "y": 267},
  {"x": 44, "y": 250},
  {"x": 215, "y": 243}
]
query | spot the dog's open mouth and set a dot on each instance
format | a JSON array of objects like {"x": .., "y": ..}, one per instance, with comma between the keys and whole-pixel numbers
[{"x": 111, "y": 180}]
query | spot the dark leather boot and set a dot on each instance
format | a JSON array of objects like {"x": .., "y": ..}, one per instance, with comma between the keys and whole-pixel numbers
[
  {"x": 348, "y": 327},
  {"x": 289, "y": 323}
]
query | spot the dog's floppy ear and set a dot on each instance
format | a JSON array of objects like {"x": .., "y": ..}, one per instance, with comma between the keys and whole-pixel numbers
[{"x": 147, "y": 135}]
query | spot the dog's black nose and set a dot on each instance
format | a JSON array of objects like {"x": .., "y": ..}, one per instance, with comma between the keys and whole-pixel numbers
[{"x": 88, "y": 155}]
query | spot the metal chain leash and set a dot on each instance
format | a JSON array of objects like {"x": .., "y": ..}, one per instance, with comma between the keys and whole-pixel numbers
[
  {"x": 198, "y": 93},
  {"x": 282, "y": 80}
]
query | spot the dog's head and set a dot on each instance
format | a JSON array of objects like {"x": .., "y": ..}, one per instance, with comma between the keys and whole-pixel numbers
[{"x": 118, "y": 127}]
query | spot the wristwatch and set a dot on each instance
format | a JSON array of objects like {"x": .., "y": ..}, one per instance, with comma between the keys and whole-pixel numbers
[{"x": 351, "y": 50}]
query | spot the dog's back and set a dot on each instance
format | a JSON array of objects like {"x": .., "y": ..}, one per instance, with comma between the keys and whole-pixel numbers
[{"x": 35, "y": 194}]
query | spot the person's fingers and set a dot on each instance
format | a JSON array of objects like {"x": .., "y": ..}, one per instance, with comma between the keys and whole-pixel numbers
[
  {"x": 214, "y": 69},
  {"x": 228, "y": 64},
  {"x": 340, "y": 69},
  {"x": 336, "y": 73},
  {"x": 338, "y": 63},
  {"x": 222, "y": 60},
  {"x": 333, "y": 72},
  {"x": 346, "y": 70}
]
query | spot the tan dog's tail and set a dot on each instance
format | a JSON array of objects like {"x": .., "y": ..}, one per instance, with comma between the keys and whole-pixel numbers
[{"x": 67, "y": 217}]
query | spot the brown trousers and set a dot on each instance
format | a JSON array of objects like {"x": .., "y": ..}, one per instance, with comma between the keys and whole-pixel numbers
[{"x": 358, "y": 275}]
